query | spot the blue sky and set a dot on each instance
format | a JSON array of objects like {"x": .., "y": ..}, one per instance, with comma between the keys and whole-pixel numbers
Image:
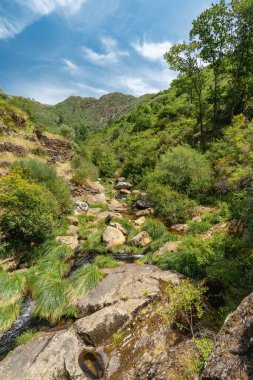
[{"x": 51, "y": 49}]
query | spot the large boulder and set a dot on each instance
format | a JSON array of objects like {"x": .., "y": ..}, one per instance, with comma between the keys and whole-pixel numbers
[
  {"x": 113, "y": 236},
  {"x": 232, "y": 357},
  {"x": 51, "y": 356}
]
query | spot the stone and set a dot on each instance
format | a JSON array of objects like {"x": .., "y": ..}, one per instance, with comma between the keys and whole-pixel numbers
[
  {"x": 179, "y": 228},
  {"x": 136, "y": 192},
  {"x": 108, "y": 215},
  {"x": 116, "y": 206},
  {"x": 145, "y": 212},
  {"x": 51, "y": 356},
  {"x": 128, "y": 281},
  {"x": 73, "y": 219},
  {"x": 94, "y": 211},
  {"x": 142, "y": 239},
  {"x": 94, "y": 187},
  {"x": 125, "y": 192},
  {"x": 140, "y": 221},
  {"x": 170, "y": 246},
  {"x": 10, "y": 264},
  {"x": 81, "y": 206},
  {"x": 119, "y": 227},
  {"x": 99, "y": 326},
  {"x": 112, "y": 236},
  {"x": 96, "y": 198},
  {"x": 232, "y": 356},
  {"x": 123, "y": 185},
  {"x": 72, "y": 230},
  {"x": 143, "y": 203},
  {"x": 120, "y": 179},
  {"x": 70, "y": 241}
]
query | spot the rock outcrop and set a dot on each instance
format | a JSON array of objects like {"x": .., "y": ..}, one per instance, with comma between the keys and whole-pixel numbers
[{"x": 232, "y": 357}]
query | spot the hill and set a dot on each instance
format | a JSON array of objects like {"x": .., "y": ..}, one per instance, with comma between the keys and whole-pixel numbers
[{"x": 83, "y": 115}]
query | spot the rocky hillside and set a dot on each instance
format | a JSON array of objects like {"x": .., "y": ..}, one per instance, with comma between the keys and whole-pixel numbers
[{"x": 84, "y": 115}]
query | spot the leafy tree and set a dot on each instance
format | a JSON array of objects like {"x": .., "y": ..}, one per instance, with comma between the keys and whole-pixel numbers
[
  {"x": 212, "y": 32},
  {"x": 185, "y": 58}
]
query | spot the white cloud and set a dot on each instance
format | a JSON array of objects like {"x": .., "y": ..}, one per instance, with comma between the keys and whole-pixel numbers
[
  {"x": 71, "y": 67},
  {"x": 152, "y": 51},
  {"x": 92, "y": 90},
  {"x": 111, "y": 55},
  {"x": 28, "y": 11}
]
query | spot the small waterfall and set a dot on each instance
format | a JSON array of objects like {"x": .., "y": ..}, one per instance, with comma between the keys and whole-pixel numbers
[{"x": 7, "y": 339}]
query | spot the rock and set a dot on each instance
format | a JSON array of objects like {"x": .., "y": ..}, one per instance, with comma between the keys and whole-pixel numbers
[
  {"x": 52, "y": 356},
  {"x": 73, "y": 219},
  {"x": 128, "y": 281},
  {"x": 112, "y": 236},
  {"x": 119, "y": 227},
  {"x": 72, "y": 230},
  {"x": 143, "y": 203},
  {"x": 123, "y": 185},
  {"x": 142, "y": 239},
  {"x": 10, "y": 263},
  {"x": 81, "y": 206},
  {"x": 136, "y": 192},
  {"x": 120, "y": 179},
  {"x": 180, "y": 228},
  {"x": 140, "y": 221},
  {"x": 219, "y": 227},
  {"x": 170, "y": 246},
  {"x": 108, "y": 215},
  {"x": 99, "y": 326},
  {"x": 125, "y": 192},
  {"x": 94, "y": 211},
  {"x": 116, "y": 206},
  {"x": 94, "y": 187},
  {"x": 146, "y": 212},
  {"x": 96, "y": 198},
  {"x": 232, "y": 357},
  {"x": 70, "y": 241}
]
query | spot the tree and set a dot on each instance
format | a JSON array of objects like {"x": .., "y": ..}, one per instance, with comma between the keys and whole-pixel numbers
[
  {"x": 212, "y": 32},
  {"x": 241, "y": 55},
  {"x": 185, "y": 58}
]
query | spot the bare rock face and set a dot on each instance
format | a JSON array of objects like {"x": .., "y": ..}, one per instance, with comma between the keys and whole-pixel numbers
[
  {"x": 52, "y": 356},
  {"x": 142, "y": 239},
  {"x": 232, "y": 357},
  {"x": 112, "y": 236}
]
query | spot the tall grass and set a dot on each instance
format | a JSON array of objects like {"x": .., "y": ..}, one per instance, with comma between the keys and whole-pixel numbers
[
  {"x": 155, "y": 228},
  {"x": 85, "y": 279},
  {"x": 106, "y": 261}
]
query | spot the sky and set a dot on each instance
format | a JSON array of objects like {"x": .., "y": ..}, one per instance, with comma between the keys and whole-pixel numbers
[{"x": 51, "y": 49}]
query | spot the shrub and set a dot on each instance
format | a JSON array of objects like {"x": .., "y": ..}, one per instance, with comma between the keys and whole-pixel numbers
[
  {"x": 184, "y": 170},
  {"x": 105, "y": 159},
  {"x": 28, "y": 210},
  {"x": 170, "y": 205},
  {"x": 185, "y": 304},
  {"x": 84, "y": 169},
  {"x": 196, "y": 227},
  {"x": 205, "y": 347},
  {"x": 155, "y": 228},
  {"x": 47, "y": 176},
  {"x": 67, "y": 132}
]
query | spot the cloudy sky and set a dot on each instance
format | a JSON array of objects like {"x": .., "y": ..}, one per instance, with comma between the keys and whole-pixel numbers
[{"x": 51, "y": 49}]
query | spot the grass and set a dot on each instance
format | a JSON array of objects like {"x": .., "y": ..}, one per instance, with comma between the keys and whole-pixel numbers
[
  {"x": 117, "y": 337},
  {"x": 26, "y": 337},
  {"x": 85, "y": 279},
  {"x": 103, "y": 261},
  {"x": 155, "y": 228},
  {"x": 196, "y": 227},
  {"x": 168, "y": 236},
  {"x": 9, "y": 312},
  {"x": 103, "y": 206},
  {"x": 128, "y": 226}
]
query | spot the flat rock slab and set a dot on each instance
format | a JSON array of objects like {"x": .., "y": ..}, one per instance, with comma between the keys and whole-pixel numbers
[
  {"x": 52, "y": 356},
  {"x": 126, "y": 282}
]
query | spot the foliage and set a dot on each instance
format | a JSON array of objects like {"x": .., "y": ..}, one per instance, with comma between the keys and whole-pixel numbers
[
  {"x": 205, "y": 347},
  {"x": 105, "y": 261},
  {"x": 170, "y": 205},
  {"x": 185, "y": 304},
  {"x": 46, "y": 175},
  {"x": 28, "y": 210},
  {"x": 83, "y": 169},
  {"x": 117, "y": 337},
  {"x": 154, "y": 228}
]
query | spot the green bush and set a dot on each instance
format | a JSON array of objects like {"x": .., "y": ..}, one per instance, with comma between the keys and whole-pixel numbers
[
  {"x": 83, "y": 169},
  {"x": 27, "y": 210},
  {"x": 184, "y": 170},
  {"x": 170, "y": 205},
  {"x": 155, "y": 228},
  {"x": 46, "y": 175}
]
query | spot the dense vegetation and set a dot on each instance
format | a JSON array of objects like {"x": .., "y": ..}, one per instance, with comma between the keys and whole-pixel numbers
[{"x": 184, "y": 148}]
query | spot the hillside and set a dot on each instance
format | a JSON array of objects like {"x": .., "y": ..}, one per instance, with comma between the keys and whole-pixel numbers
[{"x": 83, "y": 115}]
